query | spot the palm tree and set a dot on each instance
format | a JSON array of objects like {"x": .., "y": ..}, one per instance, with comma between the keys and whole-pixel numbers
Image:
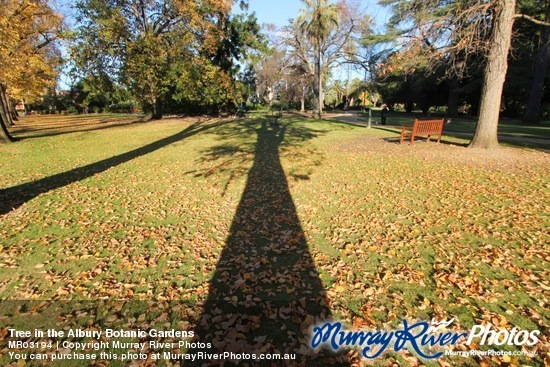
[{"x": 316, "y": 21}]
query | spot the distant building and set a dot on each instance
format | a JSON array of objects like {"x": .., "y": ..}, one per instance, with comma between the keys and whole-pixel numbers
[{"x": 20, "y": 106}]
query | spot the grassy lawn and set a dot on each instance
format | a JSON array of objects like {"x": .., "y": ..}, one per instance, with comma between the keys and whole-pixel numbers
[
  {"x": 248, "y": 233},
  {"x": 512, "y": 127}
]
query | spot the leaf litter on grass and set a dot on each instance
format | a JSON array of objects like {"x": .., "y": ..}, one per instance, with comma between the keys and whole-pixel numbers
[{"x": 394, "y": 231}]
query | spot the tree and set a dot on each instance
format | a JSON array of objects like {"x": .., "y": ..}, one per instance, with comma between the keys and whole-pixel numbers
[
  {"x": 317, "y": 21},
  {"x": 154, "y": 46},
  {"x": 134, "y": 41},
  {"x": 533, "y": 111},
  {"x": 462, "y": 29},
  {"x": 298, "y": 83},
  {"x": 270, "y": 70},
  {"x": 485, "y": 135},
  {"x": 421, "y": 88},
  {"x": 28, "y": 54}
]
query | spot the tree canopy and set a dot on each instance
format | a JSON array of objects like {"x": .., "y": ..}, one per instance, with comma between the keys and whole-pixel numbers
[
  {"x": 166, "y": 51},
  {"x": 454, "y": 33},
  {"x": 29, "y": 56}
]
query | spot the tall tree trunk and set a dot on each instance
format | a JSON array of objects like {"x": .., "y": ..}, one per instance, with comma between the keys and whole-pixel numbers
[
  {"x": 485, "y": 135},
  {"x": 7, "y": 117},
  {"x": 157, "y": 109},
  {"x": 5, "y": 136},
  {"x": 454, "y": 96},
  {"x": 317, "y": 83},
  {"x": 13, "y": 111},
  {"x": 532, "y": 115}
]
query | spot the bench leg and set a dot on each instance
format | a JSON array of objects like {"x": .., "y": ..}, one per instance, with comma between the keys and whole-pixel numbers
[
  {"x": 439, "y": 138},
  {"x": 428, "y": 139}
]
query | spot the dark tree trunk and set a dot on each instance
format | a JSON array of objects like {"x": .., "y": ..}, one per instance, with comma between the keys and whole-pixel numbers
[
  {"x": 485, "y": 135},
  {"x": 425, "y": 109},
  {"x": 317, "y": 84},
  {"x": 157, "y": 109},
  {"x": 454, "y": 97},
  {"x": 532, "y": 115},
  {"x": 5, "y": 136},
  {"x": 6, "y": 113},
  {"x": 13, "y": 111}
]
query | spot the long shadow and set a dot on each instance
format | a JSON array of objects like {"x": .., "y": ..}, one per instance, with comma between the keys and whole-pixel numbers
[
  {"x": 26, "y": 133},
  {"x": 13, "y": 197},
  {"x": 266, "y": 293}
]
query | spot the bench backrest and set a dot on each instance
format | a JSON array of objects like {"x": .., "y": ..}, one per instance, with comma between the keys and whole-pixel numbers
[{"x": 428, "y": 126}]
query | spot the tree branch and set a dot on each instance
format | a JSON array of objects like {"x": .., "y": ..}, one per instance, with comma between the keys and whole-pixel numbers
[{"x": 531, "y": 19}]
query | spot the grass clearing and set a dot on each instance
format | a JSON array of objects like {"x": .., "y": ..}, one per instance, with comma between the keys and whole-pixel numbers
[
  {"x": 115, "y": 223},
  {"x": 507, "y": 126}
]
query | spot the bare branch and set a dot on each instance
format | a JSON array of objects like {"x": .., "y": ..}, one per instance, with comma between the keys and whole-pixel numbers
[{"x": 533, "y": 20}]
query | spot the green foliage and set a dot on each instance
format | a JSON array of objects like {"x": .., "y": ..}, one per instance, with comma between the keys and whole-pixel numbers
[
  {"x": 318, "y": 19},
  {"x": 419, "y": 88},
  {"x": 204, "y": 86},
  {"x": 161, "y": 50},
  {"x": 243, "y": 40},
  {"x": 522, "y": 61}
]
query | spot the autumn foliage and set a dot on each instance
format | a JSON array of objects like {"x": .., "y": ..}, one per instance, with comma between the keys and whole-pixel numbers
[{"x": 28, "y": 54}]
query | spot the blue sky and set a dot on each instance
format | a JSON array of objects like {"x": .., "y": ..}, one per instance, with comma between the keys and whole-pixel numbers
[{"x": 278, "y": 12}]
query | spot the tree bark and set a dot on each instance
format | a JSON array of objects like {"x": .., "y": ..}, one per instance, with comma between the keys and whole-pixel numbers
[
  {"x": 13, "y": 111},
  {"x": 454, "y": 96},
  {"x": 5, "y": 136},
  {"x": 485, "y": 135},
  {"x": 532, "y": 114},
  {"x": 7, "y": 117},
  {"x": 317, "y": 83},
  {"x": 157, "y": 109}
]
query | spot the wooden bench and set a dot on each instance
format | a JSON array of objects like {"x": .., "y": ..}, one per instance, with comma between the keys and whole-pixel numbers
[{"x": 423, "y": 128}]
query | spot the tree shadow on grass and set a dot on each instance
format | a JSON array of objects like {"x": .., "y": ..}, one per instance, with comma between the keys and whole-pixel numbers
[
  {"x": 13, "y": 197},
  {"x": 231, "y": 159},
  {"x": 34, "y": 133},
  {"x": 265, "y": 294}
]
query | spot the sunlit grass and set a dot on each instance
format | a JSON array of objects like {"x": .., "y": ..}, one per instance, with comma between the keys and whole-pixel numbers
[{"x": 396, "y": 231}]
